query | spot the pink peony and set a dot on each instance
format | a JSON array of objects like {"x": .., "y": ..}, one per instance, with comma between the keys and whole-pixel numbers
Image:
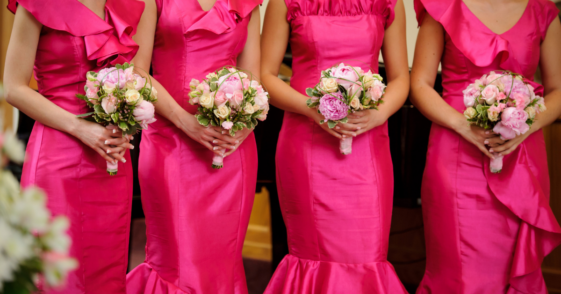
[
  {"x": 144, "y": 114},
  {"x": 470, "y": 94},
  {"x": 109, "y": 104},
  {"x": 112, "y": 75},
  {"x": 92, "y": 85},
  {"x": 230, "y": 84},
  {"x": 246, "y": 84},
  {"x": 490, "y": 94},
  {"x": 236, "y": 99},
  {"x": 346, "y": 75},
  {"x": 512, "y": 124},
  {"x": 332, "y": 106},
  {"x": 227, "y": 125},
  {"x": 140, "y": 83}
]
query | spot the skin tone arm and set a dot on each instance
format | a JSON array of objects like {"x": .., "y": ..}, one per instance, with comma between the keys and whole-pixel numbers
[
  {"x": 550, "y": 64},
  {"x": 430, "y": 45},
  {"x": 19, "y": 67},
  {"x": 166, "y": 105},
  {"x": 275, "y": 39}
]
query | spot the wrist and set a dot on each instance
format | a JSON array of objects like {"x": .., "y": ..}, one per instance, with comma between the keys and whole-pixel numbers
[
  {"x": 459, "y": 123},
  {"x": 74, "y": 127}
]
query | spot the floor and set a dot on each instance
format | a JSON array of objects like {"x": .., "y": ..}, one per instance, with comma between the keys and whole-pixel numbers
[{"x": 257, "y": 272}]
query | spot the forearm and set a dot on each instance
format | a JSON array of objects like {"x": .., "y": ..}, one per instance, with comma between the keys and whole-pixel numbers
[
  {"x": 285, "y": 97},
  {"x": 41, "y": 109},
  {"x": 432, "y": 106},
  {"x": 396, "y": 94},
  {"x": 552, "y": 113},
  {"x": 166, "y": 106}
]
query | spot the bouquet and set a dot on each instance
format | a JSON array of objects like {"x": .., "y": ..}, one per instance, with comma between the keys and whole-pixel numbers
[
  {"x": 33, "y": 245},
  {"x": 344, "y": 89},
  {"x": 120, "y": 99},
  {"x": 230, "y": 99},
  {"x": 504, "y": 102}
]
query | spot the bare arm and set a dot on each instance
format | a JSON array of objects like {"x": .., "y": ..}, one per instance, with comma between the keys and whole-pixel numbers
[
  {"x": 250, "y": 57},
  {"x": 428, "y": 52},
  {"x": 394, "y": 51},
  {"x": 17, "y": 73},
  {"x": 166, "y": 105},
  {"x": 550, "y": 64}
]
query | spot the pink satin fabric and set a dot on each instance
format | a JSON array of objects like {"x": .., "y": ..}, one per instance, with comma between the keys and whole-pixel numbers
[
  {"x": 485, "y": 233},
  {"x": 196, "y": 216},
  {"x": 337, "y": 208},
  {"x": 75, "y": 40}
]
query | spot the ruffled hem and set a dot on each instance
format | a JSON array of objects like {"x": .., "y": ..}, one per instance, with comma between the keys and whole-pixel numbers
[
  {"x": 539, "y": 231},
  {"x": 145, "y": 280},
  {"x": 107, "y": 42},
  {"x": 295, "y": 275},
  {"x": 223, "y": 17},
  {"x": 382, "y": 8}
]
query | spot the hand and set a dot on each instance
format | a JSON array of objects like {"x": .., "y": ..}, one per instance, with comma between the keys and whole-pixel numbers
[
  {"x": 240, "y": 137},
  {"x": 206, "y": 136},
  {"x": 110, "y": 144},
  {"x": 506, "y": 147},
  {"x": 317, "y": 117},
  {"x": 360, "y": 122},
  {"x": 478, "y": 137}
]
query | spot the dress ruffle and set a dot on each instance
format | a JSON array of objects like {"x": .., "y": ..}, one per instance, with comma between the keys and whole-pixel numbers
[
  {"x": 223, "y": 17},
  {"x": 382, "y": 8},
  {"x": 295, "y": 275},
  {"x": 107, "y": 42},
  {"x": 145, "y": 280}
]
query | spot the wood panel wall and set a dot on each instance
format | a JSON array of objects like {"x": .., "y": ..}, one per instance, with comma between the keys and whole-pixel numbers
[{"x": 6, "y": 20}]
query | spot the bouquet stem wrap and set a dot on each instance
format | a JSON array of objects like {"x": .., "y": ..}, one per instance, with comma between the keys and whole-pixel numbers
[
  {"x": 496, "y": 164},
  {"x": 346, "y": 146},
  {"x": 218, "y": 161},
  {"x": 112, "y": 168}
]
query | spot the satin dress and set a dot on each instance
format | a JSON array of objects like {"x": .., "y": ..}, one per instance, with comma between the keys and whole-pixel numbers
[
  {"x": 196, "y": 216},
  {"x": 73, "y": 41},
  {"x": 485, "y": 232},
  {"x": 337, "y": 208}
]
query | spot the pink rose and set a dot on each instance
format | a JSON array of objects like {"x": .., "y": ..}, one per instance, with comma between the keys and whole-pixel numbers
[
  {"x": 229, "y": 84},
  {"x": 219, "y": 98},
  {"x": 91, "y": 93},
  {"x": 512, "y": 124},
  {"x": 355, "y": 90},
  {"x": 144, "y": 114},
  {"x": 92, "y": 84},
  {"x": 346, "y": 75},
  {"x": 140, "y": 83},
  {"x": 246, "y": 84},
  {"x": 501, "y": 96},
  {"x": 115, "y": 76},
  {"x": 521, "y": 100},
  {"x": 262, "y": 100},
  {"x": 376, "y": 91},
  {"x": 332, "y": 107},
  {"x": 236, "y": 99},
  {"x": 470, "y": 94},
  {"x": 227, "y": 125},
  {"x": 494, "y": 111},
  {"x": 494, "y": 79},
  {"x": 490, "y": 94},
  {"x": 109, "y": 104}
]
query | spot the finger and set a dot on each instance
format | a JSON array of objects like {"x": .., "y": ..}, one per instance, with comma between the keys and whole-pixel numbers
[
  {"x": 357, "y": 114},
  {"x": 105, "y": 156},
  {"x": 508, "y": 151},
  {"x": 502, "y": 148},
  {"x": 116, "y": 141},
  {"x": 347, "y": 127},
  {"x": 227, "y": 138},
  {"x": 357, "y": 120},
  {"x": 115, "y": 153},
  {"x": 345, "y": 134},
  {"x": 485, "y": 151},
  {"x": 333, "y": 133},
  {"x": 494, "y": 142},
  {"x": 217, "y": 142},
  {"x": 489, "y": 134},
  {"x": 114, "y": 133}
]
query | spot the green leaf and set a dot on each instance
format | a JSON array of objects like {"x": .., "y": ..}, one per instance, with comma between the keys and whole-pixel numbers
[
  {"x": 98, "y": 109},
  {"x": 123, "y": 126},
  {"x": 202, "y": 120},
  {"x": 331, "y": 124},
  {"x": 321, "y": 121},
  {"x": 86, "y": 114},
  {"x": 344, "y": 120},
  {"x": 310, "y": 92},
  {"x": 232, "y": 132},
  {"x": 240, "y": 125}
]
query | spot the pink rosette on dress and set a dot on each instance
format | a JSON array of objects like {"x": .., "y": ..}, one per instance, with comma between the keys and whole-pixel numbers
[
  {"x": 345, "y": 89},
  {"x": 505, "y": 103}
]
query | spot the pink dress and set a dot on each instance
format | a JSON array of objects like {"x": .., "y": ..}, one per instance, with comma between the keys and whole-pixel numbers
[
  {"x": 196, "y": 216},
  {"x": 337, "y": 208},
  {"x": 74, "y": 40},
  {"x": 485, "y": 233}
]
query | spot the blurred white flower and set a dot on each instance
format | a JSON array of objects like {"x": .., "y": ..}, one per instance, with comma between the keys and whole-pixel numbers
[
  {"x": 18, "y": 246},
  {"x": 56, "y": 267},
  {"x": 55, "y": 237},
  {"x": 13, "y": 148},
  {"x": 30, "y": 211}
]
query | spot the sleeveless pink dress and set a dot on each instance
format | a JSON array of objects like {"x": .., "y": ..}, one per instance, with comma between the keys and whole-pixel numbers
[
  {"x": 337, "y": 208},
  {"x": 196, "y": 216},
  {"x": 485, "y": 233},
  {"x": 74, "y": 40}
]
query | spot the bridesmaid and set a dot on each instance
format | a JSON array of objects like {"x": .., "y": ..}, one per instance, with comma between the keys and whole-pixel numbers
[
  {"x": 61, "y": 40},
  {"x": 196, "y": 217},
  {"x": 337, "y": 208},
  {"x": 485, "y": 233}
]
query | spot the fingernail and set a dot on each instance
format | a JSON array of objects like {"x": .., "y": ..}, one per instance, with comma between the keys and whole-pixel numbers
[
  {"x": 215, "y": 148},
  {"x": 343, "y": 136},
  {"x": 337, "y": 128},
  {"x": 223, "y": 132},
  {"x": 487, "y": 132},
  {"x": 106, "y": 142},
  {"x": 214, "y": 141},
  {"x": 123, "y": 160},
  {"x": 358, "y": 128},
  {"x": 237, "y": 141},
  {"x": 486, "y": 142},
  {"x": 132, "y": 146},
  {"x": 108, "y": 151},
  {"x": 132, "y": 137},
  {"x": 490, "y": 150},
  {"x": 354, "y": 135},
  {"x": 114, "y": 131}
]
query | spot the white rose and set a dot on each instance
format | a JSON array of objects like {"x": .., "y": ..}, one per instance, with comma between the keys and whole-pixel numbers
[
  {"x": 154, "y": 93},
  {"x": 206, "y": 100},
  {"x": 132, "y": 97},
  {"x": 329, "y": 85},
  {"x": 531, "y": 111},
  {"x": 248, "y": 108},
  {"x": 355, "y": 104},
  {"x": 222, "y": 112},
  {"x": 256, "y": 107},
  {"x": 470, "y": 113},
  {"x": 210, "y": 76},
  {"x": 368, "y": 80}
]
